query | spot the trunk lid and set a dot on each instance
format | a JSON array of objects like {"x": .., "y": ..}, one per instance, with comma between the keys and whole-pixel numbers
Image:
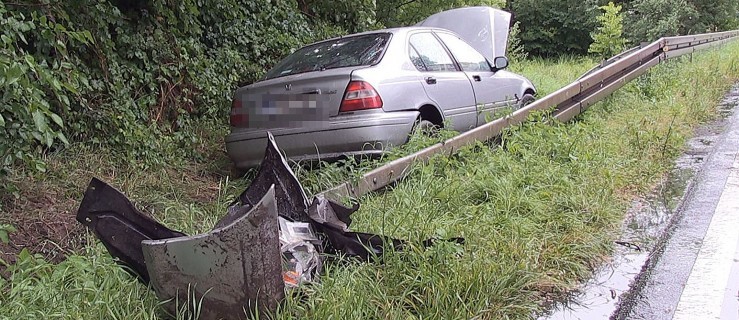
[{"x": 291, "y": 101}]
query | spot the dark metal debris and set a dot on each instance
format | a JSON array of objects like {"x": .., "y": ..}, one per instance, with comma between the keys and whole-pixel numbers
[
  {"x": 119, "y": 226},
  {"x": 274, "y": 170},
  {"x": 332, "y": 220},
  {"x": 269, "y": 238}
]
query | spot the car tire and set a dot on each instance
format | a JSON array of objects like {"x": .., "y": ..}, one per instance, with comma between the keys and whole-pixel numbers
[
  {"x": 425, "y": 127},
  {"x": 526, "y": 100}
]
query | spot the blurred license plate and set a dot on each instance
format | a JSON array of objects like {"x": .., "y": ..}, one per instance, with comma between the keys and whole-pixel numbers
[{"x": 285, "y": 110}]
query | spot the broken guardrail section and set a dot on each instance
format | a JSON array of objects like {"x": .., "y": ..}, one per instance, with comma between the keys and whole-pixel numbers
[{"x": 270, "y": 239}]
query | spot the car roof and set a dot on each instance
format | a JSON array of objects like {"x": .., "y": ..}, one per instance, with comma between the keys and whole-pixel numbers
[{"x": 398, "y": 30}]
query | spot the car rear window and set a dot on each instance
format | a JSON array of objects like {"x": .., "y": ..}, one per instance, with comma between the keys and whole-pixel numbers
[{"x": 352, "y": 51}]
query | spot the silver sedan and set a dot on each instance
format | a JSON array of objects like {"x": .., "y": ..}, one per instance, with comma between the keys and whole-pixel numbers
[{"x": 363, "y": 93}]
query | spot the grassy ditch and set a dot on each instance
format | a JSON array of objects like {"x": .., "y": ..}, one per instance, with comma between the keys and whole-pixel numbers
[{"x": 539, "y": 211}]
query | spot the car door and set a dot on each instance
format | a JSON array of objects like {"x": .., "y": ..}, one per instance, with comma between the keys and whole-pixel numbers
[
  {"x": 493, "y": 91},
  {"x": 443, "y": 81}
]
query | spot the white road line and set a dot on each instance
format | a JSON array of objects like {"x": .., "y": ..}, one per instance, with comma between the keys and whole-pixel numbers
[{"x": 704, "y": 292}]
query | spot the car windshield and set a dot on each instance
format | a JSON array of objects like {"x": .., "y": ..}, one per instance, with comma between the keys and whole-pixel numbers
[{"x": 353, "y": 51}]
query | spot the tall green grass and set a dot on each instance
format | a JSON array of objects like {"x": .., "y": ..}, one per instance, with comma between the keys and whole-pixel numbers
[{"x": 539, "y": 211}]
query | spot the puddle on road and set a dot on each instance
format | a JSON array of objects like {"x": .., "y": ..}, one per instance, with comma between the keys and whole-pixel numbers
[
  {"x": 643, "y": 226},
  {"x": 644, "y": 223},
  {"x": 727, "y": 105}
]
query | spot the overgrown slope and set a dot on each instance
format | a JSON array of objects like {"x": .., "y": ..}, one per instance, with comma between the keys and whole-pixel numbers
[{"x": 539, "y": 211}]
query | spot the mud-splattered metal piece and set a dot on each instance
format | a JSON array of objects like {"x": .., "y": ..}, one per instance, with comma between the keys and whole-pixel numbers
[
  {"x": 332, "y": 220},
  {"x": 232, "y": 272},
  {"x": 274, "y": 170},
  {"x": 325, "y": 211},
  {"x": 119, "y": 226}
]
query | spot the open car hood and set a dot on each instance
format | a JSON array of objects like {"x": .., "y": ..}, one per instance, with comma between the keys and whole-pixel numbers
[{"x": 484, "y": 28}]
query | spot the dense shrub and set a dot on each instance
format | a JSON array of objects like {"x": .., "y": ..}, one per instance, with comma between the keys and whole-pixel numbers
[
  {"x": 608, "y": 38},
  {"x": 132, "y": 75},
  {"x": 555, "y": 27},
  {"x": 648, "y": 20}
]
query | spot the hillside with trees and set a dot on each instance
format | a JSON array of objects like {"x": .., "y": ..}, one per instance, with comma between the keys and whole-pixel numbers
[
  {"x": 135, "y": 75},
  {"x": 137, "y": 93}
]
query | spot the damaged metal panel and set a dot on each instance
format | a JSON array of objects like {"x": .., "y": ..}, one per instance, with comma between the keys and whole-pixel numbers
[
  {"x": 119, "y": 226},
  {"x": 332, "y": 220},
  {"x": 273, "y": 170},
  {"x": 233, "y": 271},
  {"x": 269, "y": 239}
]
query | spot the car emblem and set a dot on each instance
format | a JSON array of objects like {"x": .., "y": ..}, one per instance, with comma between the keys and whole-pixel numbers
[{"x": 288, "y": 87}]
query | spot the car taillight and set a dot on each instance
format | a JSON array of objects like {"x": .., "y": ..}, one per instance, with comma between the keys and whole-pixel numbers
[
  {"x": 360, "y": 95},
  {"x": 239, "y": 118}
]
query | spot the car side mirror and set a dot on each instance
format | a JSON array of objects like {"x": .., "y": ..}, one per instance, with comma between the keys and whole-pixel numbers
[{"x": 500, "y": 63}]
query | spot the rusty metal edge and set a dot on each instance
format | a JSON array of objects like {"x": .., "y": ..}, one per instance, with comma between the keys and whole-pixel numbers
[{"x": 639, "y": 61}]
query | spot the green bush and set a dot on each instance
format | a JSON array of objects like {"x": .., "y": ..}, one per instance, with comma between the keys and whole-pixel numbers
[
  {"x": 608, "y": 38},
  {"x": 555, "y": 27},
  {"x": 133, "y": 75},
  {"x": 650, "y": 20},
  {"x": 40, "y": 86},
  {"x": 516, "y": 49}
]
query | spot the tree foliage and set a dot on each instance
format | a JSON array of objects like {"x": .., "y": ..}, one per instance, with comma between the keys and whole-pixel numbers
[
  {"x": 716, "y": 15},
  {"x": 132, "y": 75},
  {"x": 608, "y": 38},
  {"x": 555, "y": 27},
  {"x": 649, "y": 20},
  {"x": 353, "y": 16},
  {"x": 397, "y": 13}
]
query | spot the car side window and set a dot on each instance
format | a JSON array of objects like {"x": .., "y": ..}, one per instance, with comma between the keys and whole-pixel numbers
[
  {"x": 430, "y": 53},
  {"x": 416, "y": 59},
  {"x": 467, "y": 57}
]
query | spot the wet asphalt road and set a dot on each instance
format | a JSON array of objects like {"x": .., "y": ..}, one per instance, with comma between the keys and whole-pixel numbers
[
  {"x": 678, "y": 255},
  {"x": 693, "y": 272}
]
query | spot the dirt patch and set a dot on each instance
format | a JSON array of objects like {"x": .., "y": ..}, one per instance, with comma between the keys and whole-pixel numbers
[
  {"x": 54, "y": 239},
  {"x": 44, "y": 213},
  {"x": 44, "y": 222}
]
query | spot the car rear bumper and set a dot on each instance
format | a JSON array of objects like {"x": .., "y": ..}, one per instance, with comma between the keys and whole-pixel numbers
[{"x": 358, "y": 134}]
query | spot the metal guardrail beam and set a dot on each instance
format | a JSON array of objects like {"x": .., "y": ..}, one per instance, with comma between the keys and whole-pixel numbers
[{"x": 567, "y": 102}]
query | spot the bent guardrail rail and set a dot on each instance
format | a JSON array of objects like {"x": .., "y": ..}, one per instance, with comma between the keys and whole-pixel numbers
[{"x": 567, "y": 102}]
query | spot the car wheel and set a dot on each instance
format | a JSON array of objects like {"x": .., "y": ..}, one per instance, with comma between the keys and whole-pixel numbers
[
  {"x": 526, "y": 100},
  {"x": 425, "y": 127}
]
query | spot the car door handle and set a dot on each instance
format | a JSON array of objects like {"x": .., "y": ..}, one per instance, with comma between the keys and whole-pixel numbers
[
  {"x": 476, "y": 78},
  {"x": 431, "y": 80},
  {"x": 317, "y": 91}
]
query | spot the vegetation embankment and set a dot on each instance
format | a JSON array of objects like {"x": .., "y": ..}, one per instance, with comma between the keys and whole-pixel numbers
[
  {"x": 137, "y": 93},
  {"x": 140, "y": 77},
  {"x": 539, "y": 211}
]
